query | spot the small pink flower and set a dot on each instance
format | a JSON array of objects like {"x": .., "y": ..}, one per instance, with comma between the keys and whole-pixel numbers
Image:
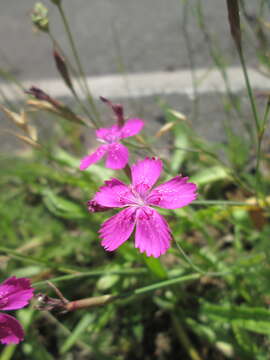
[
  {"x": 14, "y": 294},
  {"x": 152, "y": 234},
  {"x": 117, "y": 153}
]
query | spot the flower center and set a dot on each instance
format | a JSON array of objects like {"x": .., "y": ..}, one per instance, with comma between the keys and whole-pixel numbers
[
  {"x": 111, "y": 137},
  {"x": 140, "y": 192}
]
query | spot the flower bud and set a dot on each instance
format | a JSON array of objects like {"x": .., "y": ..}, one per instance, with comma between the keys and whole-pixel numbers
[
  {"x": 61, "y": 66},
  {"x": 117, "y": 109},
  {"x": 40, "y": 17}
]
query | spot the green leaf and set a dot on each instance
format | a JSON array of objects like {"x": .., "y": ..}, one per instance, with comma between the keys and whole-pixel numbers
[
  {"x": 181, "y": 142},
  {"x": 244, "y": 339},
  {"x": 77, "y": 332},
  {"x": 62, "y": 207},
  {"x": 97, "y": 171},
  {"x": 210, "y": 175},
  {"x": 203, "y": 331},
  {"x": 256, "y": 319},
  {"x": 155, "y": 266},
  {"x": 107, "y": 281}
]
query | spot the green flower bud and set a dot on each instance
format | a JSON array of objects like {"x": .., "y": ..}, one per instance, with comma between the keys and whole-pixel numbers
[{"x": 40, "y": 17}]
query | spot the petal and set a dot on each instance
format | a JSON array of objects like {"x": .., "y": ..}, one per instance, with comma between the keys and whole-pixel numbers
[
  {"x": 173, "y": 194},
  {"x": 15, "y": 293},
  {"x": 131, "y": 127},
  {"x": 114, "y": 194},
  {"x": 109, "y": 134},
  {"x": 117, "y": 157},
  {"x": 146, "y": 172},
  {"x": 153, "y": 234},
  {"x": 93, "y": 158},
  {"x": 11, "y": 331},
  {"x": 117, "y": 229}
]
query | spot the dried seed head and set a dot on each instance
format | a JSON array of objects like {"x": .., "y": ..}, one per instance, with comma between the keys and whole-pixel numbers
[
  {"x": 164, "y": 129},
  {"x": 18, "y": 119},
  {"x": 178, "y": 115},
  {"x": 47, "y": 303}
]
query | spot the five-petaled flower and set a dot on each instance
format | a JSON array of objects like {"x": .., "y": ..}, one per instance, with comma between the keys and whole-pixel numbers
[
  {"x": 117, "y": 153},
  {"x": 15, "y": 293},
  {"x": 152, "y": 234}
]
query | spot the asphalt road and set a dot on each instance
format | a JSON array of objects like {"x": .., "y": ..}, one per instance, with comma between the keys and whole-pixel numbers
[
  {"x": 127, "y": 36},
  {"x": 137, "y": 36}
]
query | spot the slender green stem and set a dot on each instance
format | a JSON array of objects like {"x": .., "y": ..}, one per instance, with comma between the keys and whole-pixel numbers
[
  {"x": 187, "y": 39},
  {"x": 260, "y": 190},
  {"x": 162, "y": 284},
  {"x": 220, "y": 202},
  {"x": 138, "y": 291},
  {"x": 196, "y": 268},
  {"x": 259, "y": 129},
  {"x": 93, "y": 273},
  {"x": 261, "y": 134},
  {"x": 78, "y": 62},
  {"x": 83, "y": 107},
  {"x": 249, "y": 90}
]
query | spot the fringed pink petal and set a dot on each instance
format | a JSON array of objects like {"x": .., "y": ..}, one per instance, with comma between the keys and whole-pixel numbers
[
  {"x": 117, "y": 229},
  {"x": 146, "y": 172},
  {"x": 114, "y": 194},
  {"x": 131, "y": 127},
  {"x": 173, "y": 194},
  {"x": 153, "y": 234},
  {"x": 94, "y": 157},
  {"x": 117, "y": 156}
]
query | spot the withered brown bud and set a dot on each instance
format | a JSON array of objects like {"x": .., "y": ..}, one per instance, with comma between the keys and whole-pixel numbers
[
  {"x": 42, "y": 95},
  {"x": 47, "y": 303},
  {"x": 117, "y": 109},
  {"x": 60, "y": 63}
]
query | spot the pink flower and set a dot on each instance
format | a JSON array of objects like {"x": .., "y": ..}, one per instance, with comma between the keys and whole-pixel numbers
[
  {"x": 117, "y": 154},
  {"x": 152, "y": 234},
  {"x": 14, "y": 294}
]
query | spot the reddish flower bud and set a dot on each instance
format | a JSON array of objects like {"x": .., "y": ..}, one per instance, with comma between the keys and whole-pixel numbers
[{"x": 60, "y": 63}]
